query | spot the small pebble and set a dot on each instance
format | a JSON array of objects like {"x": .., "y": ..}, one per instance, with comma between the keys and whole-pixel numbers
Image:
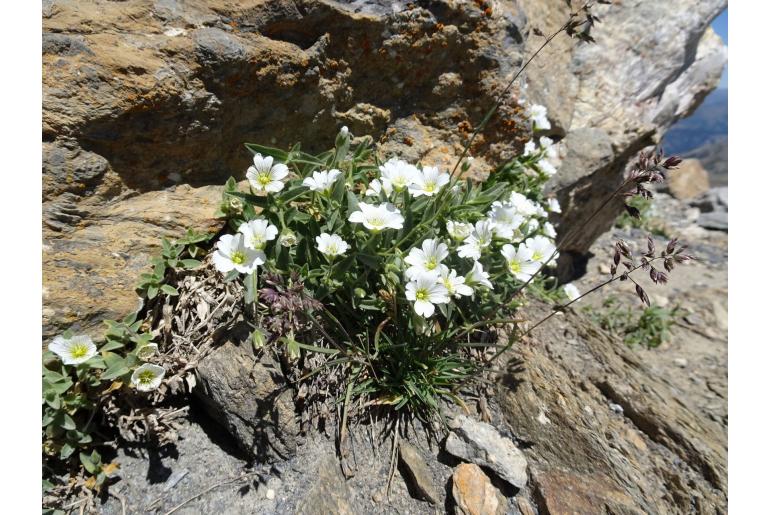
[
  {"x": 616, "y": 408},
  {"x": 680, "y": 362},
  {"x": 270, "y": 494}
]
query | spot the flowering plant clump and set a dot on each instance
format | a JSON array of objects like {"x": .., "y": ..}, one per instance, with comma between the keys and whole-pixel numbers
[
  {"x": 79, "y": 378},
  {"x": 393, "y": 254}
]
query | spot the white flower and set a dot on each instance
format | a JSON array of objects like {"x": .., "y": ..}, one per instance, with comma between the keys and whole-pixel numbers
[
  {"x": 147, "y": 377},
  {"x": 571, "y": 291},
  {"x": 505, "y": 219},
  {"x": 426, "y": 259},
  {"x": 529, "y": 148},
  {"x": 549, "y": 230},
  {"x": 541, "y": 248},
  {"x": 523, "y": 205},
  {"x": 265, "y": 176},
  {"x": 428, "y": 182},
  {"x": 257, "y": 233},
  {"x": 399, "y": 174},
  {"x": 531, "y": 226},
  {"x": 147, "y": 351},
  {"x": 520, "y": 262},
  {"x": 546, "y": 167},
  {"x": 322, "y": 181},
  {"x": 375, "y": 187},
  {"x": 232, "y": 254},
  {"x": 425, "y": 290},
  {"x": 455, "y": 285},
  {"x": 331, "y": 244},
  {"x": 480, "y": 237},
  {"x": 344, "y": 131},
  {"x": 477, "y": 276},
  {"x": 73, "y": 351},
  {"x": 459, "y": 230},
  {"x": 377, "y": 217},
  {"x": 538, "y": 114},
  {"x": 550, "y": 149},
  {"x": 553, "y": 205}
]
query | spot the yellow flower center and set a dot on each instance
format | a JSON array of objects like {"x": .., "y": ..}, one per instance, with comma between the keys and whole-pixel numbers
[
  {"x": 537, "y": 255},
  {"x": 238, "y": 257},
  {"x": 514, "y": 265},
  {"x": 430, "y": 187},
  {"x": 332, "y": 248},
  {"x": 376, "y": 222},
  {"x": 146, "y": 376},
  {"x": 421, "y": 294},
  {"x": 258, "y": 241},
  {"x": 78, "y": 351},
  {"x": 264, "y": 179},
  {"x": 431, "y": 263}
]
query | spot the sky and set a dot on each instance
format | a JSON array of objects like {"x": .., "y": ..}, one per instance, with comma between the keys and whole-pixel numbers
[{"x": 720, "y": 27}]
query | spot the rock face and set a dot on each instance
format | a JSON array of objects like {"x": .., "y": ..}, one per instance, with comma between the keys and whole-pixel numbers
[
  {"x": 656, "y": 454},
  {"x": 249, "y": 397},
  {"x": 142, "y": 97},
  {"x": 688, "y": 181}
]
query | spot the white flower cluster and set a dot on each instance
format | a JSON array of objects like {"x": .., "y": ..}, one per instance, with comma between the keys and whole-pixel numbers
[
  {"x": 78, "y": 349},
  {"x": 519, "y": 223}
]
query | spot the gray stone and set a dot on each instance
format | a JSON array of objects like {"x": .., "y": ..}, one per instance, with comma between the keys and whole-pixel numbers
[
  {"x": 249, "y": 396},
  {"x": 480, "y": 443},
  {"x": 716, "y": 220},
  {"x": 417, "y": 473},
  {"x": 330, "y": 494}
]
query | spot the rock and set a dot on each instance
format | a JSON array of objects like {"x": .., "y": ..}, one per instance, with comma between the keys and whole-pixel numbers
[
  {"x": 92, "y": 263},
  {"x": 688, "y": 181},
  {"x": 525, "y": 507},
  {"x": 417, "y": 474},
  {"x": 249, "y": 397},
  {"x": 591, "y": 460},
  {"x": 480, "y": 443},
  {"x": 714, "y": 199},
  {"x": 716, "y": 220},
  {"x": 329, "y": 494},
  {"x": 474, "y": 493},
  {"x": 680, "y": 362},
  {"x": 721, "y": 194},
  {"x": 582, "y": 494},
  {"x": 138, "y": 99}
]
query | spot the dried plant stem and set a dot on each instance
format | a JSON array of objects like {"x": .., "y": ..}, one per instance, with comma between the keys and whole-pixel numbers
[
  {"x": 560, "y": 309},
  {"x": 571, "y": 235}
]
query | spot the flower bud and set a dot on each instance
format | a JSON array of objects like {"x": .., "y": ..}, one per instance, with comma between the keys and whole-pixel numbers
[{"x": 288, "y": 238}]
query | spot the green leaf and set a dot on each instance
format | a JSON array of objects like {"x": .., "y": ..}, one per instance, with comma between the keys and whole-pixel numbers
[
  {"x": 248, "y": 197},
  {"x": 89, "y": 465},
  {"x": 267, "y": 151},
  {"x": 111, "y": 345},
  {"x": 321, "y": 350},
  {"x": 169, "y": 290},
  {"x": 116, "y": 370},
  {"x": 191, "y": 263},
  {"x": 66, "y": 451},
  {"x": 152, "y": 291},
  {"x": 293, "y": 193},
  {"x": 67, "y": 422}
]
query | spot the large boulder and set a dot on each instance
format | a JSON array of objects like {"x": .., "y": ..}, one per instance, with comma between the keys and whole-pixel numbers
[{"x": 140, "y": 98}]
